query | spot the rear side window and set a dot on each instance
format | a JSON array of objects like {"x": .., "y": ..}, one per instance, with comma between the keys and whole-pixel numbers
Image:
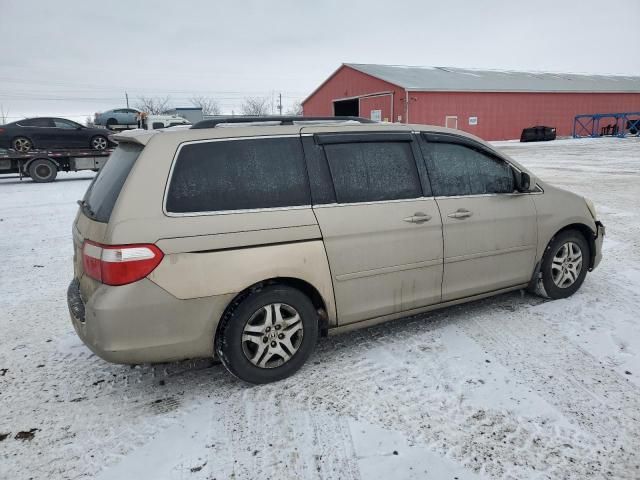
[
  {"x": 373, "y": 171},
  {"x": 459, "y": 170},
  {"x": 105, "y": 188},
  {"x": 36, "y": 122},
  {"x": 238, "y": 175},
  {"x": 60, "y": 123}
]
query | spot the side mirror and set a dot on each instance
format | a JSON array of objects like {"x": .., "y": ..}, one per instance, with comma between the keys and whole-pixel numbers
[{"x": 523, "y": 182}]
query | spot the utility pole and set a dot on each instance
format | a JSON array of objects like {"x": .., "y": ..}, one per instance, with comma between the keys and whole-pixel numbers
[
  {"x": 280, "y": 103},
  {"x": 126, "y": 96}
]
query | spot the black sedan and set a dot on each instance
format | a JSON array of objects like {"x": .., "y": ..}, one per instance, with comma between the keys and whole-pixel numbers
[{"x": 51, "y": 133}]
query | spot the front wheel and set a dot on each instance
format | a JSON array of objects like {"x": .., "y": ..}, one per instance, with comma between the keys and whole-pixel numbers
[
  {"x": 99, "y": 143},
  {"x": 565, "y": 264},
  {"x": 268, "y": 335}
]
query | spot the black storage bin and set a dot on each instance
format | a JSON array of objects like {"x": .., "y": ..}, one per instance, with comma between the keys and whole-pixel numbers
[{"x": 538, "y": 134}]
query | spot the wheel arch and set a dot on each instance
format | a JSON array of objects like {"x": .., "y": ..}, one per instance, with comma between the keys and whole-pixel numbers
[
  {"x": 303, "y": 286},
  {"x": 13, "y": 139},
  {"x": 588, "y": 234},
  {"x": 26, "y": 165}
]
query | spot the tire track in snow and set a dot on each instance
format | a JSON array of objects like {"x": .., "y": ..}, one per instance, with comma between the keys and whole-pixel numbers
[
  {"x": 427, "y": 404},
  {"x": 272, "y": 437},
  {"x": 423, "y": 399},
  {"x": 572, "y": 380}
]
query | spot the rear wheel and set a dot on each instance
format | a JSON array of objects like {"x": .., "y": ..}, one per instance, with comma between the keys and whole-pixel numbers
[
  {"x": 43, "y": 170},
  {"x": 565, "y": 264},
  {"x": 268, "y": 335},
  {"x": 22, "y": 144},
  {"x": 99, "y": 143},
  {"x": 112, "y": 122}
]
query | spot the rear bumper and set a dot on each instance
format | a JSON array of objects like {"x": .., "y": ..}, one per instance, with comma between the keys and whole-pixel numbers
[
  {"x": 142, "y": 323},
  {"x": 600, "y": 233}
]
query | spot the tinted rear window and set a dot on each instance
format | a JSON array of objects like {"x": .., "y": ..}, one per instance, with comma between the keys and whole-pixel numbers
[
  {"x": 105, "y": 188},
  {"x": 237, "y": 175}
]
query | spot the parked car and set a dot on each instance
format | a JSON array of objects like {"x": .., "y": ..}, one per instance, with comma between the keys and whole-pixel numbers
[
  {"x": 250, "y": 242},
  {"x": 117, "y": 117},
  {"x": 52, "y": 133}
]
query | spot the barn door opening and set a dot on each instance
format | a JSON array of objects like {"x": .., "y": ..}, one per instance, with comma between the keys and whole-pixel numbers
[
  {"x": 346, "y": 108},
  {"x": 451, "y": 121}
]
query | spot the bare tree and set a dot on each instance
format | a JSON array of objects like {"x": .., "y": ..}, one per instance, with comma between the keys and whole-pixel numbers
[
  {"x": 154, "y": 105},
  {"x": 295, "y": 109},
  {"x": 255, "y": 106},
  {"x": 89, "y": 122},
  {"x": 209, "y": 105},
  {"x": 4, "y": 115}
]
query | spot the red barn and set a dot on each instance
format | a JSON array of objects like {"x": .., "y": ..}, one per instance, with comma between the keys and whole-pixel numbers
[{"x": 494, "y": 105}]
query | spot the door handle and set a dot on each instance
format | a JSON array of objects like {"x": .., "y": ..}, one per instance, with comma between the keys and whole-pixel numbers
[
  {"x": 460, "y": 213},
  {"x": 418, "y": 217}
]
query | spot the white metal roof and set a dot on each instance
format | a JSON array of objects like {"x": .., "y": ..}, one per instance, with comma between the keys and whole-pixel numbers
[{"x": 460, "y": 79}]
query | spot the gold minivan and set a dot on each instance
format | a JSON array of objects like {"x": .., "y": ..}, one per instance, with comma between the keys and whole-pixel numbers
[{"x": 249, "y": 240}]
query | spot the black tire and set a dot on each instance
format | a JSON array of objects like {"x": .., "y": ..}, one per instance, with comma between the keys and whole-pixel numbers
[
  {"x": 111, "y": 123},
  {"x": 551, "y": 288},
  {"x": 42, "y": 170},
  {"x": 99, "y": 142},
  {"x": 22, "y": 144},
  {"x": 230, "y": 347}
]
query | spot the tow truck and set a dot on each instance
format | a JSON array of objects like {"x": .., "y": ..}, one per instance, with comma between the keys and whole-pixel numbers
[{"x": 43, "y": 165}]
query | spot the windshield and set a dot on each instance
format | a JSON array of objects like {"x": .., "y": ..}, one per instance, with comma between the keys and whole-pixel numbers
[{"x": 103, "y": 192}]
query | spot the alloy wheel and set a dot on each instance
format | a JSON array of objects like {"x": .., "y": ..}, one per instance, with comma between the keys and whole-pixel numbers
[
  {"x": 99, "y": 143},
  {"x": 566, "y": 265},
  {"x": 22, "y": 144}
]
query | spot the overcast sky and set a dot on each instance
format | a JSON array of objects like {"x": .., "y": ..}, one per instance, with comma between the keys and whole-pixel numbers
[{"x": 74, "y": 58}]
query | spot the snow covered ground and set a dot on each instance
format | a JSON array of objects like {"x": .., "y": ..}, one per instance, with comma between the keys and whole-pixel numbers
[{"x": 508, "y": 387}]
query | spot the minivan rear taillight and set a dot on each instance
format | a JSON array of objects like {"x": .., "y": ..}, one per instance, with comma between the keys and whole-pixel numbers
[{"x": 119, "y": 264}]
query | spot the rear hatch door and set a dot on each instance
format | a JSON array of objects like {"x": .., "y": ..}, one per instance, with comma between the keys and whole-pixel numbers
[{"x": 95, "y": 210}]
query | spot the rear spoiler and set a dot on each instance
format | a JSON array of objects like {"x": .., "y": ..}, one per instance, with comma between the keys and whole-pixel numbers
[{"x": 139, "y": 136}]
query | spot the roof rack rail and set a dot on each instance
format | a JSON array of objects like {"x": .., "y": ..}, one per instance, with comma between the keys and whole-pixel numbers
[{"x": 284, "y": 120}]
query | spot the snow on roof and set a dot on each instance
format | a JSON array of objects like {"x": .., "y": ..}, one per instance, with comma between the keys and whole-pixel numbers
[{"x": 460, "y": 79}]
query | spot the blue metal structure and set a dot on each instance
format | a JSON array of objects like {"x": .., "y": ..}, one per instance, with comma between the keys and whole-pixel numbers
[{"x": 619, "y": 125}]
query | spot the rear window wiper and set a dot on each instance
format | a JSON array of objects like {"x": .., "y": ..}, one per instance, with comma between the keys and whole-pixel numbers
[{"x": 86, "y": 209}]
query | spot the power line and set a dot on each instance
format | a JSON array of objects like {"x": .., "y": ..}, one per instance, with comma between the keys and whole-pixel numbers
[{"x": 36, "y": 96}]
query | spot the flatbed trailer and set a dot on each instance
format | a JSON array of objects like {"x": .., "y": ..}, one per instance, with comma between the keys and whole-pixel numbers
[{"x": 43, "y": 165}]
